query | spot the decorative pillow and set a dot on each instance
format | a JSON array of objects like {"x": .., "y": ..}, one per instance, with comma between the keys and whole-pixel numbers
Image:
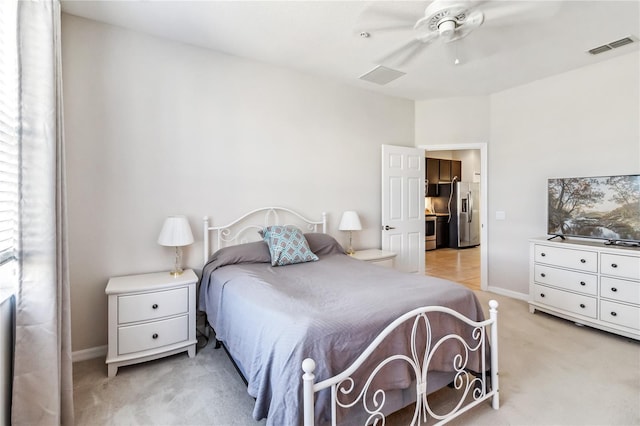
[
  {"x": 323, "y": 244},
  {"x": 287, "y": 245}
]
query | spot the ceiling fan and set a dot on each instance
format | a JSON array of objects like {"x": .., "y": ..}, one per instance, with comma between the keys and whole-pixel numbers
[{"x": 449, "y": 21}]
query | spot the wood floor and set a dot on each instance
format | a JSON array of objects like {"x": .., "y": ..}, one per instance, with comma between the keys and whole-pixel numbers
[{"x": 459, "y": 265}]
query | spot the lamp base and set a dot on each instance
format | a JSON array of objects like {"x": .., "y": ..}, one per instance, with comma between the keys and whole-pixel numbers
[
  {"x": 350, "y": 250},
  {"x": 177, "y": 266},
  {"x": 176, "y": 273}
]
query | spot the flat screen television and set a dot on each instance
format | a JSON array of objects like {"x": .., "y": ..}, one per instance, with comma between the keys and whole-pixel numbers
[{"x": 603, "y": 207}]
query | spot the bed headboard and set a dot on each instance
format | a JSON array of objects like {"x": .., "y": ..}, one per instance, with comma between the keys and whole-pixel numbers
[{"x": 245, "y": 228}]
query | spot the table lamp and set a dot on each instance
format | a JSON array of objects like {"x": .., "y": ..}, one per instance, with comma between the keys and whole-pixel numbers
[
  {"x": 176, "y": 233},
  {"x": 350, "y": 222}
]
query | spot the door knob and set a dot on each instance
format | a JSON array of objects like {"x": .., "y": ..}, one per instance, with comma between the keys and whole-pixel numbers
[{"x": 387, "y": 227}]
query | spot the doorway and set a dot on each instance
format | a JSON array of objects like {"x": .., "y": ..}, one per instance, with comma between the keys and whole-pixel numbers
[
  {"x": 459, "y": 265},
  {"x": 468, "y": 265}
]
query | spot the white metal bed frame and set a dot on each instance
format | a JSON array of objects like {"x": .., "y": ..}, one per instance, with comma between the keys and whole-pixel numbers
[
  {"x": 479, "y": 388},
  {"x": 474, "y": 386},
  {"x": 228, "y": 235}
]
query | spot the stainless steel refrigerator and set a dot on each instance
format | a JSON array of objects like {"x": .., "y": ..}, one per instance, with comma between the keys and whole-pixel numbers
[{"x": 464, "y": 224}]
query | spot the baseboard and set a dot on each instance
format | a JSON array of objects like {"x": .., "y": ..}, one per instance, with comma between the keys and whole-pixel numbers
[
  {"x": 509, "y": 293},
  {"x": 91, "y": 353}
]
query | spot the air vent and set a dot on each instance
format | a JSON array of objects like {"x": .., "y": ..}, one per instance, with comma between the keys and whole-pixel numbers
[
  {"x": 612, "y": 45},
  {"x": 600, "y": 49},
  {"x": 381, "y": 75},
  {"x": 621, "y": 42}
]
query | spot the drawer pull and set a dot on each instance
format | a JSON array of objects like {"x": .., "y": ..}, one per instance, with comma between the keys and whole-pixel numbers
[
  {"x": 543, "y": 254},
  {"x": 582, "y": 305},
  {"x": 614, "y": 314},
  {"x": 155, "y": 306},
  {"x": 614, "y": 289},
  {"x": 614, "y": 265},
  {"x": 541, "y": 294},
  {"x": 543, "y": 275},
  {"x": 583, "y": 261},
  {"x": 582, "y": 283},
  {"x": 155, "y": 335}
]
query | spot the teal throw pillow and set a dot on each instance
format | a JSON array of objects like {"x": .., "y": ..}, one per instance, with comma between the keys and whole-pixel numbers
[{"x": 287, "y": 245}]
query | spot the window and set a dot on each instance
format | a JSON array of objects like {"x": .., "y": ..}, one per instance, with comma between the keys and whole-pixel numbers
[{"x": 9, "y": 142}]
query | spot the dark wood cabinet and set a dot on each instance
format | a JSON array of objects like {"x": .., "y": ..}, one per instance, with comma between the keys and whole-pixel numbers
[
  {"x": 441, "y": 170},
  {"x": 445, "y": 171},
  {"x": 432, "y": 177},
  {"x": 456, "y": 169},
  {"x": 433, "y": 170}
]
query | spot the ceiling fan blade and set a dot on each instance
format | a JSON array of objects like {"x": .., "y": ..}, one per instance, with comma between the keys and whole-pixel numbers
[
  {"x": 387, "y": 11},
  {"x": 386, "y": 16},
  {"x": 418, "y": 48},
  {"x": 382, "y": 28},
  {"x": 503, "y": 13},
  {"x": 404, "y": 53},
  {"x": 398, "y": 51}
]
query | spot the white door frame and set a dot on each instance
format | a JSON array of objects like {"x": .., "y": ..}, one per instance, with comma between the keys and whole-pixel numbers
[{"x": 484, "y": 211}]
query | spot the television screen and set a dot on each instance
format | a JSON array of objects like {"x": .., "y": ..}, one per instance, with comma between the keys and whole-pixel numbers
[{"x": 605, "y": 207}]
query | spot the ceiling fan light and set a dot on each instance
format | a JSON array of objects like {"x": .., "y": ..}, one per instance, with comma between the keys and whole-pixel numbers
[{"x": 446, "y": 28}]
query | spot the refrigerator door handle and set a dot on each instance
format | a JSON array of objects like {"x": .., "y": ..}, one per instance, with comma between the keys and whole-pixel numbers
[{"x": 470, "y": 198}]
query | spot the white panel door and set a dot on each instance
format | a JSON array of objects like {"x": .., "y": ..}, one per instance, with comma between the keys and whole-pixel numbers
[{"x": 403, "y": 174}]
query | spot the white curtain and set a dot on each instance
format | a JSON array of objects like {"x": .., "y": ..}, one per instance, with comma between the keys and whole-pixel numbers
[{"x": 42, "y": 385}]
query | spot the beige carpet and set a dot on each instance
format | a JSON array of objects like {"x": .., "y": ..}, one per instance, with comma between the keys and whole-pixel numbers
[{"x": 552, "y": 372}]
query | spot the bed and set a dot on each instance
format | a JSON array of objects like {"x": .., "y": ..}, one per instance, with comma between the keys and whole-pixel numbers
[{"x": 325, "y": 313}]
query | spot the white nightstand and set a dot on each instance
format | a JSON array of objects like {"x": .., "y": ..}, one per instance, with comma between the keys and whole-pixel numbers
[
  {"x": 150, "y": 316},
  {"x": 379, "y": 257}
]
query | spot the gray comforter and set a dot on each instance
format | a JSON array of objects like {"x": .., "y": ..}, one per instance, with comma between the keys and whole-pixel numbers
[{"x": 272, "y": 318}]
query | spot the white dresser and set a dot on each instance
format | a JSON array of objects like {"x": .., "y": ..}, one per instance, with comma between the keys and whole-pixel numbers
[
  {"x": 588, "y": 283},
  {"x": 150, "y": 316}
]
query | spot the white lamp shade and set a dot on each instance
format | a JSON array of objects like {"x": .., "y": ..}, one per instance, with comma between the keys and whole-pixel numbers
[
  {"x": 350, "y": 222},
  {"x": 175, "y": 232}
]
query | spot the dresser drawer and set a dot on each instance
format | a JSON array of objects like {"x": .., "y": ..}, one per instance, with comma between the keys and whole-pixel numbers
[
  {"x": 135, "y": 338},
  {"x": 624, "y": 315},
  {"x": 570, "y": 280},
  {"x": 567, "y": 258},
  {"x": 622, "y": 290},
  {"x": 571, "y": 302},
  {"x": 620, "y": 266},
  {"x": 149, "y": 306}
]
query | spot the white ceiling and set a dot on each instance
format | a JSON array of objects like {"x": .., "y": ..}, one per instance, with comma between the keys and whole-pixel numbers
[{"x": 322, "y": 38}]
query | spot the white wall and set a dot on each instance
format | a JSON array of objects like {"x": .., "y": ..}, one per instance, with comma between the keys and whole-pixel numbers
[
  {"x": 155, "y": 128},
  {"x": 582, "y": 123},
  {"x": 453, "y": 120}
]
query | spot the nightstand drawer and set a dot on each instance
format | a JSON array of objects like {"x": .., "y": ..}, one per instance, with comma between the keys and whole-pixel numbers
[
  {"x": 136, "y": 338},
  {"x": 376, "y": 257},
  {"x": 149, "y": 306},
  {"x": 387, "y": 263}
]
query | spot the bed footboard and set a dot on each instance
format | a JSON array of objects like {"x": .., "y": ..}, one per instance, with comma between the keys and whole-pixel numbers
[{"x": 474, "y": 388}]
